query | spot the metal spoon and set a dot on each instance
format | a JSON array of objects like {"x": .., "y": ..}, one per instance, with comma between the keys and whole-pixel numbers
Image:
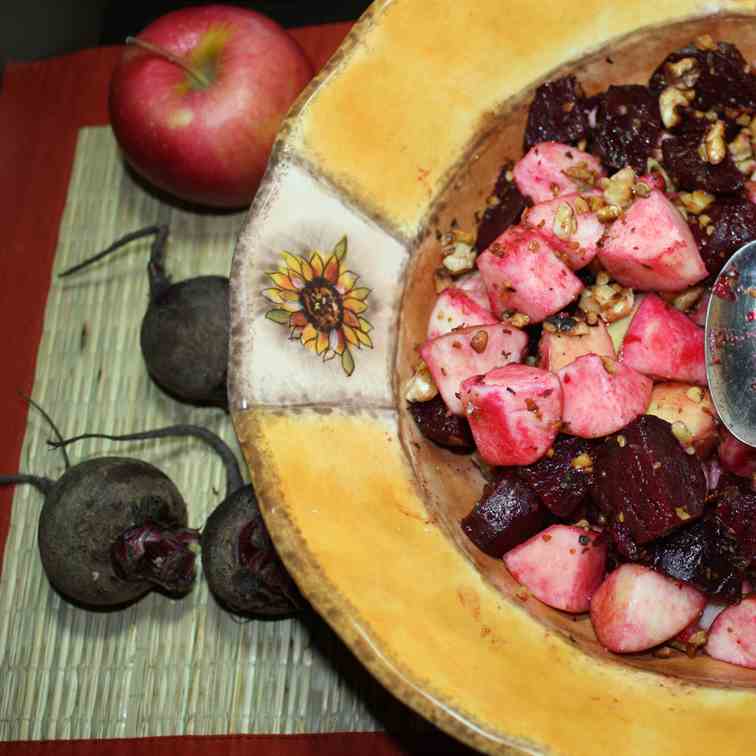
[{"x": 731, "y": 344}]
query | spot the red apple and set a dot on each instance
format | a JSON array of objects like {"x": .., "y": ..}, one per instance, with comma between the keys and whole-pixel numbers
[{"x": 197, "y": 99}]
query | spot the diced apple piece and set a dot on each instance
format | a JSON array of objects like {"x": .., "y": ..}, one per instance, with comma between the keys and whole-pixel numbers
[
  {"x": 732, "y": 637},
  {"x": 601, "y": 396},
  {"x": 636, "y": 608},
  {"x": 475, "y": 288},
  {"x": 562, "y": 566},
  {"x": 559, "y": 348},
  {"x": 618, "y": 328},
  {"x": 573, "y": 230},
  {"x": 550, "y": 169},
  {"x": 735, "y": 456},
  {"x": 689, "y": 410},
  {"x": 651, "y": 247},
  {"x": 523, "y": 274},
  {"x": 514, "y": 413},
  {"x": 455, "y": 308},
  {"x": 664, "y": 343},
  {"x": 462, "y": 354}
]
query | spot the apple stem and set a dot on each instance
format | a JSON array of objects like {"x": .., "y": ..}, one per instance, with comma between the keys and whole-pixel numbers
[{"x": 163, "y": 53}]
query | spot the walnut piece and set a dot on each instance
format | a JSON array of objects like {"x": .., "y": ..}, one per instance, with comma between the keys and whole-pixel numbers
[
  {"x": 421, "y": 386},
  {"x": 713, "y": 149},
  {"x": 565, "y": 223},
  {"x": 696, "y": 202},
  {"x": 610, "y": 301},
  {"x": 669, "y": 100}
]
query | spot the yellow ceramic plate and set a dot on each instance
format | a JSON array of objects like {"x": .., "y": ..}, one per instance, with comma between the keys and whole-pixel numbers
[{"x": 403, "y": 133}]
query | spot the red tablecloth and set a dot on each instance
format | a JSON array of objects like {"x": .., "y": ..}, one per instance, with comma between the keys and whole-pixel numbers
[{"x": 42, "y": 107}]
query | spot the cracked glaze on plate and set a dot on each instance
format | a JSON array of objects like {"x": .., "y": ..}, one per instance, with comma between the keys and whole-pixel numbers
[{"x": 402, "y": 133}]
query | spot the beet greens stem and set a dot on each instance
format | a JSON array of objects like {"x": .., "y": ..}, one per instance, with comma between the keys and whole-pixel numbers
[
  {"x": 130, "y": 237},
  {"x": 43, "y": 485},
  {"x": 233, "y": 474}
]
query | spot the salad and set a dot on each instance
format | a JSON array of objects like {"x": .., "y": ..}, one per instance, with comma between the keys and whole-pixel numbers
[{"x": 565, "y": 349}]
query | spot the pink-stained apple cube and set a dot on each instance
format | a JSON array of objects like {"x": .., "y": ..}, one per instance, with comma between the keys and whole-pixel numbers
[
  {"x": 732, "y": 637},
  {"x": 514, "y": 413},
  {"x": 550, "y": 169},
  {"x": 600, "y": 396},
  {"x": 735, "y": 456},
  {"x": 690, "y": 411},
  {"x": 523, "y": 274},
  {"x": 636, "y": 608},
  {"x": 467, "y": 352},
  {"x": 455, "y": 308},
  {"x": 562, "y": 566},
  {"x": 651, "y": 247},
  {"x": 664, "y": 343},
  {"x": 557, "y": 349},
  {"x": 573, "y": 233},
  {"x": 475, "y": 288}
]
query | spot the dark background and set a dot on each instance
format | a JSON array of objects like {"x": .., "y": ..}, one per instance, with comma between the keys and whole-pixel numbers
[{"x": 33, "y": 29}]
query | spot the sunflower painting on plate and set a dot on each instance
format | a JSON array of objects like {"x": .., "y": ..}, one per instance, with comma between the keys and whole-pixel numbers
[{"x": 319, "y": 301}]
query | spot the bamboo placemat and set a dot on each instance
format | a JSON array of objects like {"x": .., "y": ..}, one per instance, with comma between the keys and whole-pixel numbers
[{"x": 160, "y": 667}]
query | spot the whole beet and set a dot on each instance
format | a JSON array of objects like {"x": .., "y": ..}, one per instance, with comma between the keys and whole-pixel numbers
[
  {"x": 111, "y": 529},
  {"x": 184, "y": 333},
  {"x": 242, "y": 568},
  {"x": 241, "y": 565}
]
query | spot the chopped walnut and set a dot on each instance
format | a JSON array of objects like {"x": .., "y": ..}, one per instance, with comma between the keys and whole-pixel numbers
[
  {"x": 610, "y": 301},
  {"x": 518, "y": 319},
  {"x": 687, "y": 300},
  {"x": 713, "y": 149},
  {"x": 696, "y": 202},
  {"x": 695, "y": 394},
  {"x": 669, "y": 100},
  {"x": 421, "y": 387},
  {"x": 705, "y": 42},
  {"x": 581, "y": 206},
  {"x": 682, "y": 433},
  {"x": 461, "y": 258},
  {"x": 565, "y": 223},
  {"x": 582, "y": 462},
  {"x": 618, "y": 189},
  {"x": 741, "y": 150},
  {"x": 595, "y": 202},
  {"x": 582, "y": 174},
  {"x": 683, "y": 73},
  {"x": 608, "y": 213}
]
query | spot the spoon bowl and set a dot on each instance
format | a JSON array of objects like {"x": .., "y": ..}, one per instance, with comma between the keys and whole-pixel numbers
[{"x": 731, "y": 344}]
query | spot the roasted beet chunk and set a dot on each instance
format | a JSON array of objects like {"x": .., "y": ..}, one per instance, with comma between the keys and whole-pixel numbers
[
  {"x": 505, "y": 206},
  {"x": 704, "y": 554},
  {"x": 734, "y": 223},
  {"x": 644, "y": 479},
  {"x": 718, "y": 76},
  {"x": 563, "y": 479},
  {"x": 505, "y": 516},
  {"x": 736, "y": 509},
  {"x": 439, "y": 425},
  {"x": 628, "y": 126},
  {"x": 557, "y": 113},
  {"x": 689, "y": 171}
]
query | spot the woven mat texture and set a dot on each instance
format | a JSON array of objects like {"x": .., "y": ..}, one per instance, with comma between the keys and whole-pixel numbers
[{"x": 161, "y": 667}]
